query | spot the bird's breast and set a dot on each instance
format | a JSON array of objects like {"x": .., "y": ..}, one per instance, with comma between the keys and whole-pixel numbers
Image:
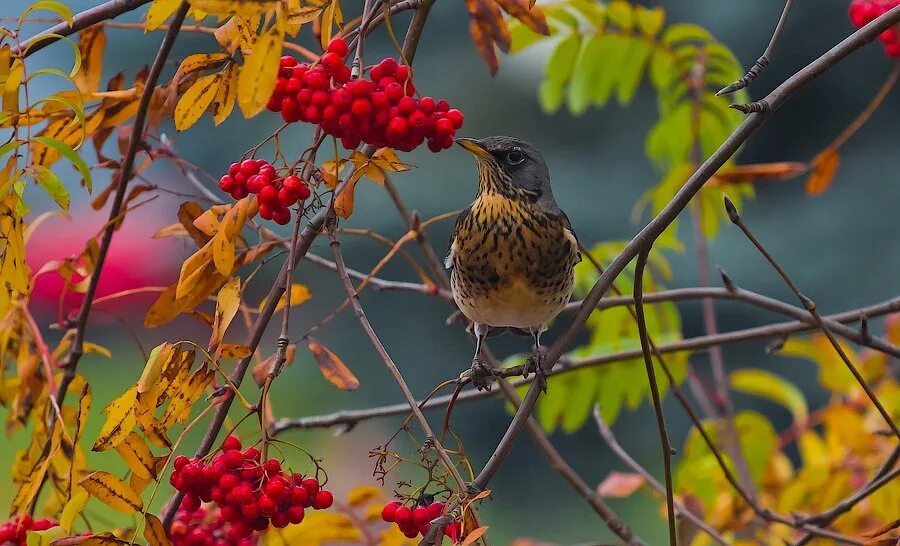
[{"x": 512, "y": 265}]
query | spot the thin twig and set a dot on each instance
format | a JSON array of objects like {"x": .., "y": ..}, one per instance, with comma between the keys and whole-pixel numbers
[
  {"x": 80, "y": 21},
  {"x": 607, "y": 434},
  {"x": 764, "y": 59},
  {"x": 350, "y": 418},
  {"x": 654, "y": 391},
  {"x": 811, "y": 307},
  {"x": 870, "y": 109},
  {"x": 609, "y": 517}
]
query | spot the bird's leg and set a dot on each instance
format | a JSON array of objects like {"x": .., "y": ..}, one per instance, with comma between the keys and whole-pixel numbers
[
  {"x": 535, "y": 362},
  {"x": 481, "y": 374}
]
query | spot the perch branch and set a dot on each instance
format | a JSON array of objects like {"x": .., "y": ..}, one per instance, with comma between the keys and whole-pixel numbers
[{"x": 764, "y": 59}]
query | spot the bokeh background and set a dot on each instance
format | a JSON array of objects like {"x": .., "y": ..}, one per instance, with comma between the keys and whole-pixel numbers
[{"x": 841, "y": 247}]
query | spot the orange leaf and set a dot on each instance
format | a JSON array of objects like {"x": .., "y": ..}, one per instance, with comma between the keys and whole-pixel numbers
[
  {"x": 91, "y": 42},
  {"x": 474, "y": 535},
  {"x": 748, "y": 173},
  {"x": 487, "y": 27},
  {"x": 824, "y": 166},
  {"x": 619, "y": 485},
  {"x": 525, "y": 12},
  {"x": 331, "y": 366},
  {"x": 343, "y": 203}
]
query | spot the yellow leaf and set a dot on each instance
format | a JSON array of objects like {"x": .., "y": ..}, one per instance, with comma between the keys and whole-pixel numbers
[
  {"x": 260, "y": 71},
  {"x": 650, "y": 21},
  {"x": 237, "y": 32},
  {"x": 231, "y": 350},
  {"x": 193, "y": 270},
  {"x": 196, "y": 100},
  {"x": 343, "y": 203},
  {"x": 73, "y": 509},
  {"x": 31, "y": 483},
  {"x": 824, "y": 166},
  {"x": 159, "y": 11},
  {"x": 777, "y": 389},
  {"x": 113, "y": 492},
  {"x": 332, "y": 367},
  {"x": 243, "y": 7},
  {"x": 120, "y": 419},
  {"x": 167, "y": 306},
  {"x": 91, "y": 43},
  {"x": 159, "y": 358},
  {"x": 223, "y": 253},
  {"x": 331, "y": 169},
  {"x": 225, "y": 95},
  {"x": 299, "y": 294},
  {"x": 327, "y": 23},
  {"x": 200, "y": 61},
  {"x": 387, "y": 159},
  {"x": 187, "y": 395},
  {"x": 154, "y": 531},
  {"x": 364, "y": 494},
  {"x": 137, "y": 455},
  {"x": 89, "y": 348},
  {"x": 84, "y": 407},
  {"x": 103, "y": 539},
  {"x": 227, "y": 303}
]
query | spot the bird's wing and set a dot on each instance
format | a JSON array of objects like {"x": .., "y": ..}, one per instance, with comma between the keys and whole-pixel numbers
[
  {"x": 560, "y": 215},
  {"x": 448, "y": 261}
]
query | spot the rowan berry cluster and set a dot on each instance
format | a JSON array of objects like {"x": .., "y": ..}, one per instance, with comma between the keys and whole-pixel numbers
[
  {"x": 864, "y": 11},
  {"x": 14, "y": 531},
  {"x": 380, "y": 109},
  {"x": 275, "y": 193},
  {"x": 415, "y": 521},
  {"x": 249, "y": 494},
  {"x": 204, "y": 527}
]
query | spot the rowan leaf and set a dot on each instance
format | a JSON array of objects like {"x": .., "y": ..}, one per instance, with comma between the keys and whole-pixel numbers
[
  {"x": 234, "y": 351},
  {"x": 51, "y": 183},
  {"x": 159, "y": 11},
  {"x": 299, "y": 294},
  {"x": 112, "y": 492},
  {"x": 120, "y": 420},
  {"x": 67, "y": 152},
  {"x": 242, "y": 7},
  {"x": 343, "y": 203},
  {"x": 103, "y": 539},
  {"x": 260, "y": 71},
  {"x": 196, "y": 100},
  {"x": 824, "y": 167},
  {"x": 619, "y": 485},
  {"x": 777, "y": 389},
  {"x": 137, "y": 455},
  {"x": 73, "y": 509},
  {"x": 364, "y": 494},
  {"x": 332, "y": 367},
  {"x": 530, "y": 16},
  {"x": 650, "y": 21},
  {"x": 159, "y": 358},
  {"x": 200, "y": 61},
  {"x": 227, "y": 303},
  {"x": 226, "y": 95},
  {"x": 91, "y": 43},
  {"x": 32, "y": 481},
  {"x": 474, "y": 535},
  {"x": 154, "y": 531}
]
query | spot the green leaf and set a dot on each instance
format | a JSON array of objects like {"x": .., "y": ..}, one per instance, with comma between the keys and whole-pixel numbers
[
  {"x": 650, "y": 21},
  {"x": 76, "y": 65},
  {"x": 521, "y": 37},
  {"x": 68, "y": 153},
  {"x": 758, "y": 441},
  {"x": 614, "y": 68},
  {"x": 10, "y": 146},
  {"x": 51, "y": 183},
  {"x": 775, "y": 388},
  {"x": 560, "y": 15},
  {"x": 551, "y": 95},
  {"x": 589, "y": 63},
  {"x": 593, "y": 12},
  {"x": 634, "y": 63},
  {"x": 562, "y": 60},
  {"x": 685, "y": 32},
  {"x": 621, "y": 14}
]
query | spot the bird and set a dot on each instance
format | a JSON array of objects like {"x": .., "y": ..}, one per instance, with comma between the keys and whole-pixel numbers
[{"x": 512, "y": 252}]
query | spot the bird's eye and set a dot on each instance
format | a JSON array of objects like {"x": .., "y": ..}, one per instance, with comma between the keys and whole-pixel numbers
[{"x": 515, "y": 156}]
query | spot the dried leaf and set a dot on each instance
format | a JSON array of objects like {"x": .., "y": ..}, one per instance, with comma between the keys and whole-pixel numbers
[
  {"x": 112, "y": 491},
  {"x": 226, "y": 95},
  {"x": 159, "y": 11},
  {"x": 103, "y": 539},
  {"x": 227, "y": 303},
  {"x": 332, "y": 368},
  {"x": 234, "y": 351},
  {"x": 529, "y": 15},
  {"x": 343, "y": 203},
  {"x": 474, "y": 535},
  {"x": 199, "y": 62},
  {"x": 824, "y": 167},
  {"x": 299, "y": 294},
  {"x": 619, "y": 485}
]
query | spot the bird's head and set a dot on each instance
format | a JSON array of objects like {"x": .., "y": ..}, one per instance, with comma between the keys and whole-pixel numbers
[{"x": 509, "y": 166}]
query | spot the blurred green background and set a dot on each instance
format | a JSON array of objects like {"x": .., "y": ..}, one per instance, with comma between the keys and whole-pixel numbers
[{"x": 840, "y": 247}]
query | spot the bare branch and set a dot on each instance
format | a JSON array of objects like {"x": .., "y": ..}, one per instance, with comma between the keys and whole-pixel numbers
[
  {"x": 764, "y": 59},
  {"x": 654, "y": 390},
  {"x": 811, "y": 307},
  {"x": 607, "y": 434}
]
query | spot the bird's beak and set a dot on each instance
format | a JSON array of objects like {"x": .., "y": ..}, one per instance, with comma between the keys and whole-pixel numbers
[{"x": 473, "y": 146}]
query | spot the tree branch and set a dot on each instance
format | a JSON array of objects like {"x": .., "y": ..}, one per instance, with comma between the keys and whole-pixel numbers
[
  {"x": 764, "y": 59},
  {"x": 607, "y": 434},
  {"x": 811, "y": 307},
  {"x": 654, "y": 391},
  {"x": 80, "y": 21}
]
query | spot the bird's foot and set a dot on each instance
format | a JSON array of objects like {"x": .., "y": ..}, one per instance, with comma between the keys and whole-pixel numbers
[
  {"x": 481, "y": 375},
  {"x": 535, "y": 364}
]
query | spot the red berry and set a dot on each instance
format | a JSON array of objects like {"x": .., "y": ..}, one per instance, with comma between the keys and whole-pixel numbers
[
  {"x": 293, "y": 85},
  {"x": 266, "y": 195},
  {"x": 443, "y": 127},
  {"x": 295, "y": 514},
  {"x": 441, "y": 106},
  {"x": 316, "y": 79},
  {"x": 433, "y": 144},
  {"x": 250, "y": 510},
  {"x": 406, "y": 105},
  {"x": 311, "y": 485},
  {"x": 251, "y": 454},
  {"x": 403, "y": 516},
  {"x": 332, "y": 61},
  {"x": 303, "y": 193},
  {"x": 341, "y": 99},
  {"x": 893, "y": 50},
  {"x": 230, "y": 441},
  {"x": 227, "y": 184},
  {"x": 360, "y": 108},
  {"x": 394, "y": 92},
  {"x": 181, "y": 460},
  {"x": 229, "y": 482},
  {"x": 320, "y": 98},
  {"x": 455, "y": 117},
  {"x": 287, "y": 61},
  {"x": 299, "y": 496},
  {"x": 312, "y": 114},
  {"x": 411, "y": 533},
  {"x": 389, "y": 512},
  {"x": 248, "y": 167},
  {"x": 338, "y": 46},
  {"x": 287, "y": 197},
  {"x": 292, "y": 183},
  {"x": 272, "y": 466},
  {"x": 435, "y": 510},
  {"x": 350, "y": 142},
  {"x": 397, "y": 128},
  {"x": 282, "y": 216},
  {"x": 190, "y": 503},
  {"x": 233, "y": 458},
  {"x": 388, "y": 66},
  {"x": 304, "y": 97},
  {"x": 324, "y": 499},
  {"x": 420, "y": 516},
  {"x": 267, "y": 505},
  {"x": 342, "y": 74},
  {"x": 274, "y": 103},
  {"x": 426, "y": 105}
]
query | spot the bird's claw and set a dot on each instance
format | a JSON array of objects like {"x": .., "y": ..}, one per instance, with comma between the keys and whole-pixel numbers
[
  {"x": 535, "y": 364},
  {"x": 481, "y": 374}
]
